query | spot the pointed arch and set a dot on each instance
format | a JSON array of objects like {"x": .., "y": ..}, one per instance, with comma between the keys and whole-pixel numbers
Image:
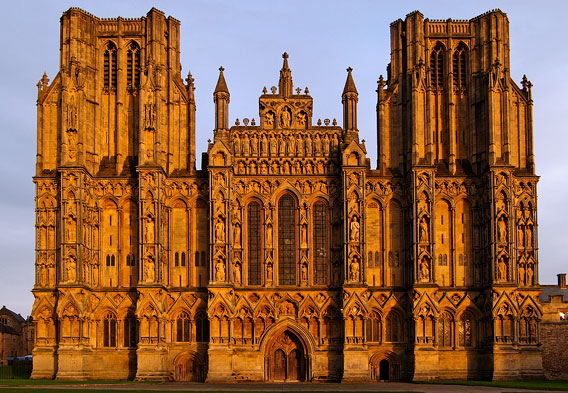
[
  {"x": 133, "y": 65},
  {"x": 287, "y": 239},
  {"x": 459, "y": 64},
  {"x": 110, "y": 66},
  {"x": 437, "y": 66}
]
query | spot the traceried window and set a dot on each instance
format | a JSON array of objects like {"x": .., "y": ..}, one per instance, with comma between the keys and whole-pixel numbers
[
  {"x": 466, "y": 330},
  {"x": 201, "y": 328},
  {"x": 459, "y": 66},
  {"x": 445, "y": 330},
  {"x": 254, "y": 243},
  {"x": 133, "y": 65},
  {"x": 321, "y": 243},
  {"x": 287, "y": 240},
  {"x": 374, "y": 327},
  {"x": 130, "y": 331},
  {"x": 109, "y": 330},
  {"x": 109, "y": 66},
  {"x": 182, "y": 328},
  {"x": 393, "y": 329},
  {"x": 437, "y": 66}
]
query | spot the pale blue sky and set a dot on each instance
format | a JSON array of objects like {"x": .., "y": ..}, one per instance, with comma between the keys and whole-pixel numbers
[{"x": 247, "y": 38}]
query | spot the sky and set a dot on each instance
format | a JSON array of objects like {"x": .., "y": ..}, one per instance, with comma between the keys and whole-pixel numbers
[{"x": 248, "y": 38}]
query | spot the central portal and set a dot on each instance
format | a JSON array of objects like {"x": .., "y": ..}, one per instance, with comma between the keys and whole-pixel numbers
[{"x": 287, "y": 359}]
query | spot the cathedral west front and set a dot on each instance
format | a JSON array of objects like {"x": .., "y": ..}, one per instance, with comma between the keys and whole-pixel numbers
[{"x": 290, "y": 255}]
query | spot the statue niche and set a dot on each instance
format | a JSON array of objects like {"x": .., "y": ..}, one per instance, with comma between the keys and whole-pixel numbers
[{"x": 286, "y": 117}]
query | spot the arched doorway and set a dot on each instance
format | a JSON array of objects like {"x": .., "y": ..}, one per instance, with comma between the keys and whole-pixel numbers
[
  {"x": 286, "y": 359},
  {"x": 384, "y": 370},
  {"x": 188, "y": 368}
]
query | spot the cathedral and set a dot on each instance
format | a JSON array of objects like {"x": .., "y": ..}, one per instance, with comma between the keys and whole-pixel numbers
[{"x": 288, "y": 256}]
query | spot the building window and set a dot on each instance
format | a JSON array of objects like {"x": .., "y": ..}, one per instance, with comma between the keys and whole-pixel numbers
[
  {"x": 466, "y": 330},
  {"x": 110, "y": 67},
  {"x": 254, "y": 243},
  {"x": 321, "y": 243},
  {"x": 445, "y": 330},
  {"x": 133, "y": 66},
  {"x": 287, "y": 240},
  {"x": 182, "y": 328},
  {"x": 109, "y": 330},
  {"x": 437, "y": 67},
  {"x": 458, "y": 68},
  {"x": 176, "y": 259},
  {"x": 393, "y": 328},
  {"x": 203, "y": 258},
  {"x": 183, "y": 258},
  {"x": 201, "y": 328},
  {"x": 374, "y": 328},
  {"x": 130, "y": 331}
]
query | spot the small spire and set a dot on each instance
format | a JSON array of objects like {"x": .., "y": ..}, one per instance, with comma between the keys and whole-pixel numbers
[
  {"x": 349, "y": 83},
  {"x": 285, "y": 85},
  {"x": 221, "y": 84}
]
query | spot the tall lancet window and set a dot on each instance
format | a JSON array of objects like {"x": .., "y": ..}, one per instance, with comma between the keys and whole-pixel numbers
[
  {"x": 254, "y": 243},
  {"x": 287, "y": 240},
  {"x": 437, "y": 67},
  {"x": 133, "y": 65},
  {"x": 109, "y": 66},
  {"x": 459, "y": 66},
  {"x": 321, "y": 242}
]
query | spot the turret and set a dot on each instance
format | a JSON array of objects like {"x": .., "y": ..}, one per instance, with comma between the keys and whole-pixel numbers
[
  {"x": 349, "y": 99},
  {"x": 221, "y": 97},
  {"x": 285, "y": 84}
]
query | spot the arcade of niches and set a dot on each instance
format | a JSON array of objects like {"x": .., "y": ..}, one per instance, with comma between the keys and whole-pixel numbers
[{"x": 286, "y": 257}]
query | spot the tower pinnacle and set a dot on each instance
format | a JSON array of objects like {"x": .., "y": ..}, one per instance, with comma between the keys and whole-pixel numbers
[{"x": 285, "y": 84}]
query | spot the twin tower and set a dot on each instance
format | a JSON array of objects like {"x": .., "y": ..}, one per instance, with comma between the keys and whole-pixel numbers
[{"x": 286, "y": 257}]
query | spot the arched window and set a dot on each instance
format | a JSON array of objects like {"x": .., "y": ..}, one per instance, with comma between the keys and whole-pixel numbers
[
  {"x": 109, "y": 330},
  {"x": 133, "y": 65},
  {"x": 459, "y": 65},
  {"x": 201, "y": 328},
  {"x": 370, "y": 259},
  {"x": 112, "y": 260},
  {"x": 254, "y": 243},
  {"x": 196, "y": 258},
  {"x": 182, "y": 328},
  {"x": 108, "y": 260},
  {"x": 321, "y": 242},
  {"x": 130, "y": 331},
  {"x": 377, "y": 259},
  {"x": 176, "y": 259},
  {"x": 445, "y": 330},
  {"x": 393, "y": 328},
  {"x": 110, "y": 66},
  {"x": 183, "y": 258},
  {"x": 203, "y": 258},
  {"x": 437, "y": 67},
  {"x": 466, "y": 330},
  {"x": 374, "y": 328},
  {"x": 287, "y": 240}
]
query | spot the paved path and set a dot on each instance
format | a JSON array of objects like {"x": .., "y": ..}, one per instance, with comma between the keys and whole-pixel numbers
[{"x": 293, "y": 387}]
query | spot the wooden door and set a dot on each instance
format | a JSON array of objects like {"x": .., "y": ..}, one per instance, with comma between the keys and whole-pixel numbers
[{"x": 279, "y": 365}]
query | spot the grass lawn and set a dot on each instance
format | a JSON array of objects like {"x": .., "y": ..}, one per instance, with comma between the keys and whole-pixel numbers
[
  {"x": 539, "y": 385},
  {"x": 50, "y": 382},
  {"x": 55, "y": 390}
]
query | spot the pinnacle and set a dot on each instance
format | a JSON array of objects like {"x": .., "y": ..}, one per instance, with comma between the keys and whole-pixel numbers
[
  {"x": 221, "y": 84},
  {"x": 285, "y": 84},
  {"x": 349, "y": 83}
]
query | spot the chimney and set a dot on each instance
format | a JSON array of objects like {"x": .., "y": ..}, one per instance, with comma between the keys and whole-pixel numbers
[{"x": 562, "y": 280}]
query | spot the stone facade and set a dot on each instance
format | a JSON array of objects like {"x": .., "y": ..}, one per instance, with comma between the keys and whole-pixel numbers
[
  {"x": 16, "y": 335},
  {"x": 286, "y": 257},
  {"x": 554, "y": 329}
]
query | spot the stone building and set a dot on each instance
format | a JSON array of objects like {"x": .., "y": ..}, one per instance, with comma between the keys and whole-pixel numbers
[
  {"x": 16, "y": 335},
  {"x": 554, "y": 329},
  {"x": 286, "y": 257}
]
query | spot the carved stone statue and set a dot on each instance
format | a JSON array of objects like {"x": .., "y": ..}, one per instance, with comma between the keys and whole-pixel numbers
[
  {"x": 502, "y": 266},
  {"x": 219, "y": 231},
  {"x": 521, "y": 274},
  {"x": 354, "y": 269},
  {"x": 220, "y": 270},
  {"x": 254, "y": 145},
  {"x": 529, "y": 236},
  {"x": 281, "y": 146},
  {"x": 263, "y": 145},
  {"x": 237, "y": 145},
  {"x": 71, "y": 269},
  {"x": 530, "y": 274},
  {"x": 325, "y": 144},
  {"x": 273, "y": 146},
  {"x": 285, "y": 118},
  {"x": 304, "y": 237},
  {"x": 423, "y": 230},
  {"x": 304, "y": 272},
  {"x": 149, "y": 268},
  {"x": 246, "y": 146},
  {"x": 237, "y": 235},
  {"x": 354, "y": 229},
  {"x": 308, "y": 143},
  {"x": 237, "y": 273},
  {"x": 502, "y": 229},
  {"x": 424, "y": 270},
  {"x": 520, "y": 236},
  {"x": 149, "y": 230},
  {"x": 269, "y": 235},
  {"x": 299, "y": 146},
  {"x": 269, "y": 120},
  {"x": 269, "y": 272}
]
